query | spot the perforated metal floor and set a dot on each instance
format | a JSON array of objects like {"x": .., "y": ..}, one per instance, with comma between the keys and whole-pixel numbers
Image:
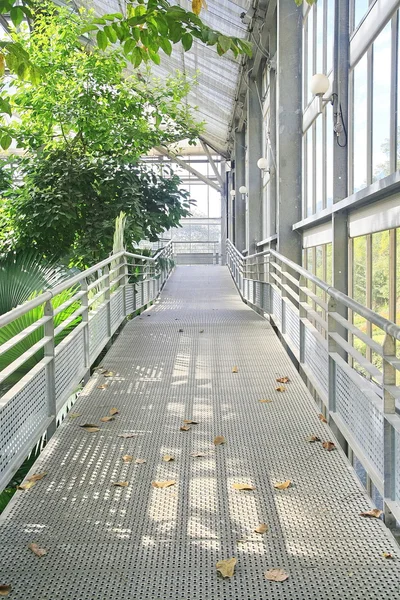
[{"x": 107, "y": 543}]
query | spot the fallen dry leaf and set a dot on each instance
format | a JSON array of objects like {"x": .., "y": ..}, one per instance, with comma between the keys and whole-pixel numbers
[
  {"x": 219, "y": 440},
  {"x": 265, "y": 401},
  {"x": 282, "y": 485},
  {"x": 198, "y": 454},
  {"x": 226, "y": 567},
  {"x": 163, "y": 484},
  {"x": 121, "y": 483},
  {"x": 242, "y": 486},
  {"x": 387, "y": 555},
  {"x": 322, "y": 418},
  {"x": 113, "y": 411},
  {"x": 180, "y": 330},
  {"x": 184, "y": 428},
  {"x": 106, "y": 419},
  {"x": 74, "y": 415},
  {"x": 313, "y": 438},
  {"x": 190, "y": 422},
  {"x": 36, "y": 477},
  {"x": 329, "y": 446},
  {"x": 36, "y": 550},
  {"x": 276, "y": 575},
  {"x": 167, "y": 458},
  {"x": 108, "y": 374},
  {"x": 283, "y": 379},
  {"x": 201, "y": 330},
  {"x": 26, "y": 486},
  {"x": 280, "y": 388},
  {"x": 5, "y": 590},
  {"x": 140, "y": 461},
  {"x": 235, "y": 370},
  {"x": 375, "y": 512},
  {"x": 103, "y": 386},
  {"x": 263, "y": 528},
  {"x": 127, "y": 435},
  {"x": 90, "y": 427},
  {"x": 127, "y": 458}
]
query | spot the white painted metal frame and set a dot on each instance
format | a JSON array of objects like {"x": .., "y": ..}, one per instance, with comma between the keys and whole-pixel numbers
[
  {"x": 363, "y": 409},
  {"x": 104, "y": 295}
]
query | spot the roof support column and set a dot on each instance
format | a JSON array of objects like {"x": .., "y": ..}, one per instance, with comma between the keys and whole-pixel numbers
[
  {"x": 240, "y": 179},
  {"x": 224, "y": 212},
  {"x": 289, "y": 127},
  {"x": 254, "y": 152}
]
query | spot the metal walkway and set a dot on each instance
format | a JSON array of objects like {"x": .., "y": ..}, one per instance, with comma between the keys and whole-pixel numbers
[{"x": 138, "y": 542}]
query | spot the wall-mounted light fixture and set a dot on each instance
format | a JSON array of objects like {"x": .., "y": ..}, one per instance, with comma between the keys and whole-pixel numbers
[
  {"x": 243, "y": 190},
  {"x": 232, "y": 193},
  {"x": 262, "y": 164},
  {"x": 319, "y": 86}
]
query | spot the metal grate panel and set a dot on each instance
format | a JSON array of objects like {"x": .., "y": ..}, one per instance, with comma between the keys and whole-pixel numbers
[
  {"x": 276, "y": 305},
  {"x": 258, "y": 294},
  {"x": 69, "y": 363},
  {"x": 397, "y": 459},
  {"x": 97, "y": 330},
  {"x": 265, "y": 292},
  {"x": 362, "y": 417},
  {"x": 293, "y": 325},
  {"x": 139, "y": 543},
  {"x": 130, "y": 299},
  {"x": 21, "y": 415},
  {"x": 316, "y": 358},
  {"x": 117, "y": 312}
]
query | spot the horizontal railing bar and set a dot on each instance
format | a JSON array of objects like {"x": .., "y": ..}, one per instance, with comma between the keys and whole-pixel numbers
[
  {"x": 70, "y": 320},
  {"x": 360, "y": 358},
  {"x": 23, "y": 334},
  {"x": 100, "y": 293},
  {"x": 314, "y": 297},
  {"x": 357, "y": 332},
  {"x": 97, "y": 282},
  {"x": 9, "y": 370},
  {"x": 312, "y": 314},
  {"x": 68, "y": 303},
  {"x": 291, "y": 292}
]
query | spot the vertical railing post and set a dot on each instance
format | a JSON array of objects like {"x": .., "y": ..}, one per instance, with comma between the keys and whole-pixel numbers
[
  {"x": 302, "y": 316},
  {"x": 85, "y": 321},
  {"x": 332, "y": 348},
  {"x": 50, "y": 370},
  {"x": 389, "y": 434},
  {"x": 107, "y": 298},
  {"x": 124, "y": 284},
  {"x": 284, "y": 295}
]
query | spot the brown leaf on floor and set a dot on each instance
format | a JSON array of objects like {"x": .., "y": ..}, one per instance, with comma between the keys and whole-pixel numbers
[
  {"x": 36, "y": 550},
  {"x": 387, "y": 555},
  {"x": 276, "y": 575},
  {"x": 36, "y": 477},
  {"x": 163, "y": 484},
  {"x": 113, "y": 411},
  {"x": 184, "y": 428},
  {"x": 26, "y": 486},
  {"x": 219, "y": 440},
  {"x": 140, "y": 461},
  {"x": 127, "y": 458},
  {"x": 235, "y": 370},
  {"x": 262, "y": 528},
  {"x": 90, "y": 427},
  {"x": 266, "y": 401},
  {"x": 198, "y": 454},
  {"x": 74, "y": 415},
  {"x": 201, "y": 331},
  {"x": 329, "y": 446},
  {"x": 190, "y": 422},
  {"x": 280, "y": 388},
  {"x": 121, "y": 483},
  {"x": 167, "y": 458},
  {"x": 282, "y": 485},
  {"x": 283, "y": 379},
  {"x": 103, "y": 386},
  {"x": 5, "y": 590},
  {"x": 374, "y": 513},
  {"x": 242, "y": 486},
  {"x": 127, "y": 435},
  {"x": 180, "y": 330},
  {"x": 313, "y": 438},
  {"x": 322, "y": 418},
  {"x": 106, "y": 419},
  {"x": 226, "y": 567},
  {"x": 108, "y": 374}
]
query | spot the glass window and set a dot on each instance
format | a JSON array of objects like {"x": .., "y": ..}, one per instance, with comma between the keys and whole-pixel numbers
[
  {"x": 360, "y": 8},
  {"x": 310, "y": 172},
  {"x": 381, "y": 104},
  {"x": 319, "y": 167},
  {"x": 330, "y": 30},
  {"x": 398, "y": 94},
  {"x": 310, "y": 52},
  {"x": 214, "y": 206},
  {"x": 398, "y": 295},
  {"x": 320, "y": 47},
  {"x": 329, "y": 154},
  {"x": 360, "y": 291},
  {"x": 360, "y": 125},
  {"x": 329, "y": 274},
  {"x": 380, "y": 279}
]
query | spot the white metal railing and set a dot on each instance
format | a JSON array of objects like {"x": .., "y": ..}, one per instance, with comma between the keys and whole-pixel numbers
[
  {"x": 323, "y": 328},
  {"x": 101, "y": 297}
]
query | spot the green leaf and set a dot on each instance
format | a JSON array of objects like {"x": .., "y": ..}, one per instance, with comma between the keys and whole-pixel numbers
[
  {"x": 224, "y": 42},
  {"x": 158, "y": 120},
  {"x": 154, "y": 57},
  {"x": 129, "y": 46},
  {"x": 187, "y": 41},
  {"x": 102, "y": 40},
  {"x": 114, "y": 16},
  {"x": 89, "y": 28},
  {"x": 175, "y": 32},
  {"x": 246, "y": 47},
  {"x": 17, "y": 15},
  {"x": 111, "y": 34},
  {"x": 5, "y": 141},
  {"x": 165, "y": 45},
  {"x": 5, "y": 106},
  {"x": 211, "y": 37},
  {"x": 136, "y": 57}
]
